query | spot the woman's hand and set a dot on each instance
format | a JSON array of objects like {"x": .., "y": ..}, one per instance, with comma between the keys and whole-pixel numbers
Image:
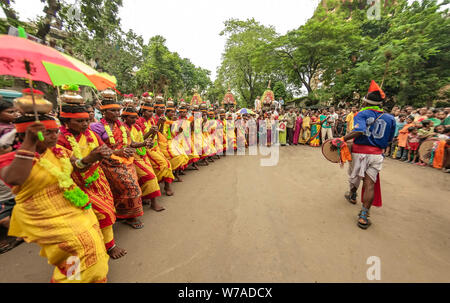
[
  {"x": 120, "y": 153},
  {"x": 105, "y": 151},
  {"x": 129, "y": 152},
  {"x": 161, "y": 120},
  {"x": 149, "y": 142},
  {"x": 94, "y": 156},
  {"x": 31, "y": 135}
]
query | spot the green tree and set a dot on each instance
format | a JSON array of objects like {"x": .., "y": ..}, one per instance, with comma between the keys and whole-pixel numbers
[{"x": 246, "y": 59}]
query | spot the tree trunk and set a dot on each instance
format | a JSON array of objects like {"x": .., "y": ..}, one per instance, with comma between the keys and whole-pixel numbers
[
  {"x": 9, "y": 11},
  {"x": 52, "y": 8}
]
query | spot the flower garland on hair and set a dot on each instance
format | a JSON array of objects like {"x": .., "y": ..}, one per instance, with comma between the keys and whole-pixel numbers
[
  {"x": 111, "y": 135},
  {"x": 71, "y": 191},
  {"x": 77, "y": 152}
]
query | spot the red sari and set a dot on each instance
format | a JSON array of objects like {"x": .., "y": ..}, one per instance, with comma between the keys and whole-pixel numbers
[
  {"x": 121, "y": 175},
  {"x": 98, "y": 191}
]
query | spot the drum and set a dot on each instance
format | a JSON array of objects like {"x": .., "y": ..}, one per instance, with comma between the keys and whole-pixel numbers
[
  {"x": 425, "y": 149},
  {"x": 330, "y": 154}
]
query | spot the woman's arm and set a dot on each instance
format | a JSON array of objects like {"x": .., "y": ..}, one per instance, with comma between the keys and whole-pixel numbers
[{"x": 20, "y": 168}]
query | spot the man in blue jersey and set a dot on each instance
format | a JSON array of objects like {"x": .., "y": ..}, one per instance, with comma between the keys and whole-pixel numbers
[{"x": 373, "y": 132}]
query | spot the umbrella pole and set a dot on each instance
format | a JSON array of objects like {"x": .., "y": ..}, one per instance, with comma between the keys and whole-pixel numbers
[
  {"x": 59, "y": 100},
  {"x": 30, "y": 82}
]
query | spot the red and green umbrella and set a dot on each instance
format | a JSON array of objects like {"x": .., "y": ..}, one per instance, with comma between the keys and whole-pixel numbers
[{"x": 47, "y": 65}]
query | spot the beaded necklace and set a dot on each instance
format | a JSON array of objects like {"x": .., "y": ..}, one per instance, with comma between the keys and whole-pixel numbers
[
  {"x": 71, "y": 191},
  {"x": 77, "y": 152}
]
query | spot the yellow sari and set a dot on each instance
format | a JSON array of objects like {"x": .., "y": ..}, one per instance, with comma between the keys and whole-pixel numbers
[
  {"x": 147, "y": 177},
  {"x": 305, "y": 132},
  {"x": 176, "y": 157},
  {"x": 42, "y": 215},
  {"x": 160, "y": 164},
  {"x": 230, "y": 135},
  {"x": 209, "y": 149},
  {"x": 185, "y": 141},
  {"x": 99, "y": 191}
]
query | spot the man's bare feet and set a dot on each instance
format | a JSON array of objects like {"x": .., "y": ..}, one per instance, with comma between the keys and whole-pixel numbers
[{"x": 116, "y": 252}]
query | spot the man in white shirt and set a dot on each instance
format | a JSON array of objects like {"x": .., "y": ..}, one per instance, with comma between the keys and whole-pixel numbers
[
  {"x": 276, "y": 105},
  {"x": 333, "y": 116},
  {"x": 281, "y": 102}
]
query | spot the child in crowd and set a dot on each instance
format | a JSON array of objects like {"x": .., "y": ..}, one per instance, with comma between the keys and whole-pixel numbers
[
  {"x": 403, "y": 138},
  {"x": 412, "y": 145},
  {"x": 398, "y": 126}
]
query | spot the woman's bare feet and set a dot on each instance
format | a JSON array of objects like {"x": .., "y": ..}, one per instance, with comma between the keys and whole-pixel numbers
[
  {"x": 116, "y": 252},
  {"x": 181, "y": 172},
  {"x": 135, "y": 223},
  {"x": 195, "y": 166},
  {"x": 168, "y": 190},
  {"x": 155, "y": 206}
]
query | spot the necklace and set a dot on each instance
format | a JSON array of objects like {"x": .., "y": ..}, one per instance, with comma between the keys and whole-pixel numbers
[
  {"x": 377, "y": 108},
  {"x": 77, "y": 153},
  {"x": 71, "y": 191},
  {"x": 110, "y": 134}
]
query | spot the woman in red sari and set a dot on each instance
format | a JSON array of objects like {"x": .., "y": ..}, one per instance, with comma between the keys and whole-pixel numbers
[
  {"x": 76, "y": 137},
  {"x": 119, "y": 169}
]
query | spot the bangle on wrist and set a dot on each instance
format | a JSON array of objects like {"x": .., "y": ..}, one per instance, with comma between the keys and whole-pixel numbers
[
  {"x": 25, "y": 152},
  {"x": 79, "y": 164},
  {"x": 24, "y": 157}
]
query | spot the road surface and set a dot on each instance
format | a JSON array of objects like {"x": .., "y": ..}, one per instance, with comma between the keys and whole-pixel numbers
[{"x": 236, "y": 221}]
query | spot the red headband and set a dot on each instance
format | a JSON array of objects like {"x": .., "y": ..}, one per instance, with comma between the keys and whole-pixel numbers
[
  {"x": 129, "y": 114},
  {"x": 147, "y": 107},
  {"x": 74, "y": 115},
  {"x": 109, "y": 106},
  {"x": 182, "y": 110},
  {"x": 49, "y": 124}
]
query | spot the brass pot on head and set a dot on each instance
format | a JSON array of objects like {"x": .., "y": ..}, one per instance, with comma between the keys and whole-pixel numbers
[{"x": 25, "y": 103}]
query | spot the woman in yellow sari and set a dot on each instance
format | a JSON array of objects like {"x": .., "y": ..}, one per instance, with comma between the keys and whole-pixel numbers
[
  {"x": 223, "y": 127},
  {"x": 184, "y": 135},
  {"x": 197, "y": 120},
  {"x": 147, "y": 178},
  {"x": 305, "y": 132},
  {"x": 76, "y": 137},
  {"x": 213, "y": 129},
  {"x": 230, "y": 135},
  {"x": 161, "y": 166},
  {"x": 51, "y": 210},
  {"x": 178, "y": 159}
]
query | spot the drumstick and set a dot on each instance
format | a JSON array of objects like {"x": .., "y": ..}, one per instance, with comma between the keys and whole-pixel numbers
[{"x": 388, "y": 56}]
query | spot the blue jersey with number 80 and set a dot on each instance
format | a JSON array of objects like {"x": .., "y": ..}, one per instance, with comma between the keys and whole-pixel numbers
[{"x": 378, "y": 131}]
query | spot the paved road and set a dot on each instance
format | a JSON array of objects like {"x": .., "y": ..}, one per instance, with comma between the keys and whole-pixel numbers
[{"x": 236, "y": 221}]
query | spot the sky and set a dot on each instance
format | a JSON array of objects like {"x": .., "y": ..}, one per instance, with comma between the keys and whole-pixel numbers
[{"x": 192, "y": 27}]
